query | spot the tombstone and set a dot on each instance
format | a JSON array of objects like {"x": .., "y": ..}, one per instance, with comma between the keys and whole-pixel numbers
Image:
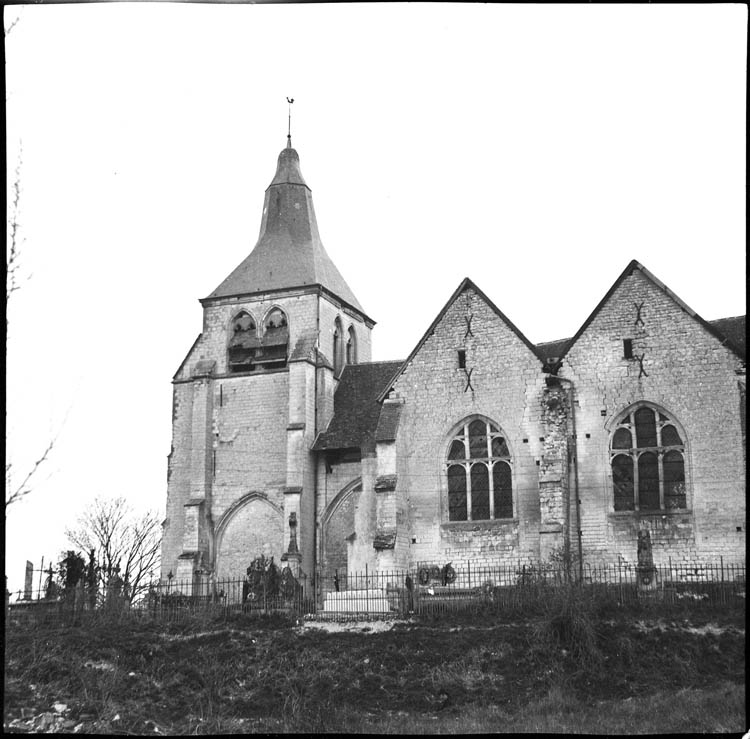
[
  {"x": 28, "y": 581},
  {"x": 51, "y": 590},
  {"x": 290, "y": 588},
  {"x": 646, "y": 572}
]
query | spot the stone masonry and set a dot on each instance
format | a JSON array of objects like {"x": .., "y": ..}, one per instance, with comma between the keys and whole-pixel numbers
[{"x": 479, "y": 448}]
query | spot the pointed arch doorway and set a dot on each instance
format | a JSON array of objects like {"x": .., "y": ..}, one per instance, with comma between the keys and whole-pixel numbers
[{"x": 338, "y": 529}]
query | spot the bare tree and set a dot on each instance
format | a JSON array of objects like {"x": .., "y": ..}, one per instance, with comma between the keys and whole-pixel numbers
[
  {"x": 13, "y": 257},
  {"x": 12, "y": 24},
  {"x": 126, "y": 544},
  {"x": 14, "y": 491}
]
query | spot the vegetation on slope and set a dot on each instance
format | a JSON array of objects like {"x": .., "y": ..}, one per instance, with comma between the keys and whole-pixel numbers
[{"x": 561, "y": 672}]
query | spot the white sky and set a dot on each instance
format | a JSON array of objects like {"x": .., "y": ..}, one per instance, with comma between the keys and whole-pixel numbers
[{"x": 536, "y": 149}]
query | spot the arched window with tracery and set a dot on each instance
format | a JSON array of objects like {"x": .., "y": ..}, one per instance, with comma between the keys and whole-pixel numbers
[
  {"x": 647, "y": 456},
  {"x": 478, "y": 470},
  {"x": 351, "y": 346},
  {"x": 243, "y": 343}
]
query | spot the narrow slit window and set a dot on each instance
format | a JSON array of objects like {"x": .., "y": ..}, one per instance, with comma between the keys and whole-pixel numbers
[
  {"x": 627, "y": 348},
  {"x": 338, "y": 347},
  {"x": 351, "y": 346},
  {"x": 462, "y": 358}
]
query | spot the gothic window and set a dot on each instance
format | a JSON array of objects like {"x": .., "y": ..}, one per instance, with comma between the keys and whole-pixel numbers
[
  {"x": 243, "y": 343},
  {"x": 275, "y": 339},
  {"x": 338, "y": 347},
  {"x": 647, "y": 456},
  {"x": 478, "y": 471},
  {"x": 351, "y": 346}
]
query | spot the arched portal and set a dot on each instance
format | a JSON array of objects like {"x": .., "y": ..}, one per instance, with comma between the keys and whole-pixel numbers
[
  {"x": 251, "y": 527},
  {"x": 338, "y": 526}
]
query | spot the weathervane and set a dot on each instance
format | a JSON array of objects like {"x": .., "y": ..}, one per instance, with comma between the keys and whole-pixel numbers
[{"x": 289, "y": 128}]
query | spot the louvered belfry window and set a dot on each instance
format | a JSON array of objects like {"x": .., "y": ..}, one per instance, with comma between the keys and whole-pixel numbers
[
  {"x": 243, "y": 343},
  {"x": 479, "y": 473},
  {"x": 248, "y": 351},
  {"x": 275, "y": 340},
  {"x": 647, "y": 455}
]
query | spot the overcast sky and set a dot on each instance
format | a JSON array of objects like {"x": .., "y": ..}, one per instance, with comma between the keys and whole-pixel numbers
[{"x": 536, "y": 149}]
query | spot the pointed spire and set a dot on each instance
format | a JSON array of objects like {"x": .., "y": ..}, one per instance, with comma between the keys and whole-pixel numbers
[
  {"x": 289, "y": 252},
  {"x": 287, "y": 168}
]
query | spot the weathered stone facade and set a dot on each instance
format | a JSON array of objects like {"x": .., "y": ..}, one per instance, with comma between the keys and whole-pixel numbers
[
  {"x": 479, "y": 447},
  {"x": 679, "y": 365}
]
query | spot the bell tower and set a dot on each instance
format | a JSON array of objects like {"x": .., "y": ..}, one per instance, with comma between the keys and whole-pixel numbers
[{"x": 252, "y": 393}]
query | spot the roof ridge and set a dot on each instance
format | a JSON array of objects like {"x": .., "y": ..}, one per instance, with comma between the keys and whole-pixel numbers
[
  {"x": 727, "y": 318},
  {"x": 553, "y": 341},
  {"x": 376, "y": 361}
]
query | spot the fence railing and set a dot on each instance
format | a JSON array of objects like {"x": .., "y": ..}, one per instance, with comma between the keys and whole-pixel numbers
[{"x": 426, "y": 589}]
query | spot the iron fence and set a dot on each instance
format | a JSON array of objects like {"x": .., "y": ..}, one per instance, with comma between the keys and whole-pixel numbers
[{"x": 424, "y": 590}]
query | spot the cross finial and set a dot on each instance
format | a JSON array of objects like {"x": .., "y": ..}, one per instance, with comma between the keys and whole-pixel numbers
[{"x": 289, "y": 129}]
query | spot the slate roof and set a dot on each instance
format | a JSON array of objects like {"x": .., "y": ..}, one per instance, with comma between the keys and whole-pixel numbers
[
  {"x": 552, "y": 350},
  {"x": 732, "y": 329},
  {"x": 390, "y": 414},
  {"x": 356, "y": 410},
  {"x": 289, "y": 252}
]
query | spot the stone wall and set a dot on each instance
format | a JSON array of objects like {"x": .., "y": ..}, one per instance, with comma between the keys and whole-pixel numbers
[
  {"x": 240, "y": 460},
  {"x": 330, "y": 310},
  {"x": 506, "y": 382},
  {"x": 261, "y": 425},
  {"x": 178, "y": 477},
  {"x": 338, "y": 495},
  {"x": 303, "y": 311},
  {"x": 679, "y": 366},
  {"x": 254, "y": 529}
]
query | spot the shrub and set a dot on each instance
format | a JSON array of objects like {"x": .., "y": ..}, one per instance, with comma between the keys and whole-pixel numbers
[{"x": 566, "y": 634}]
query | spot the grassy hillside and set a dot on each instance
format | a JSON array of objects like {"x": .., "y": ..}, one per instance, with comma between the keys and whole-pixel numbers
[{"x": 561, "y": 673}]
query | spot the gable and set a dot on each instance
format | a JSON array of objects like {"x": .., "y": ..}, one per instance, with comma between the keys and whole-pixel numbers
[
  {"x": 463, "y": 318},
  {"x": 668, "y": 304}
]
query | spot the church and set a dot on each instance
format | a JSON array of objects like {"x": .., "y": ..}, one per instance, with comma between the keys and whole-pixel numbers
[{"x": 288, "y": 441}]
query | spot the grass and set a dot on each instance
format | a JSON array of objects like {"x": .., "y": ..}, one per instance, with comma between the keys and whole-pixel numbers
[
  {"x": 568, "y": 670},
  {"x": 716, "y": 710}
]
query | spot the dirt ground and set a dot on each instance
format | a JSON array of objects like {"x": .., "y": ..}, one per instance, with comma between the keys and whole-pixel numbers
[{"x": 138, "y": 677}]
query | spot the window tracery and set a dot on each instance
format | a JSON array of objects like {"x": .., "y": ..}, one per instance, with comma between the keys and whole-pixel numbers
[
  {"x": 647, "y": 457},
  {"x": 478, "y": 470},
  {"x": 247, "y": 351}
]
